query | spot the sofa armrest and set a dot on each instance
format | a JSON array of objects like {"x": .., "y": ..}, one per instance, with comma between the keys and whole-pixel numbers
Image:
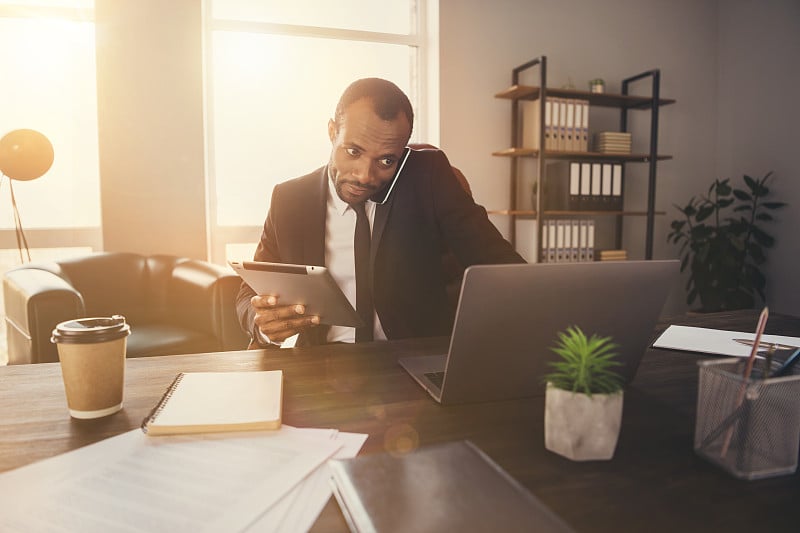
[
  {"x": 202, "y": 296},
  {"x": 35, "y": 302}
]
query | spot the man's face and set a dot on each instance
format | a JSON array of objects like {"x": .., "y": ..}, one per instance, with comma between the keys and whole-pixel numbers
[{"x": 365, "y": 150}]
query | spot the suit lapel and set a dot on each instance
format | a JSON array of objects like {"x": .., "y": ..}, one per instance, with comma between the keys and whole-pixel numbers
[
  {"x": 378, "y": 225},
  {"x": 314, "y": 213},
  {"x": 312, "y": 217}
]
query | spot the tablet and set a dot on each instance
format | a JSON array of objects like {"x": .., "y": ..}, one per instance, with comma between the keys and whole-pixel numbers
[{"x": 312, "y": 286}]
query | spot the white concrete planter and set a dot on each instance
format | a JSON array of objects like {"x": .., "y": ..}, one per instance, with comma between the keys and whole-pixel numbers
[{"x": 580, "y": 427}]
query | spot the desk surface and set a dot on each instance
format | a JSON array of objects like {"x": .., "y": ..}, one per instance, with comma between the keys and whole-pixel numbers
[{"x": 655, "y": 482}]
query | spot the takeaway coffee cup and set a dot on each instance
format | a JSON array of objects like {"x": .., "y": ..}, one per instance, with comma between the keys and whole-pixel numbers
[{"x": 92, "y": 355}]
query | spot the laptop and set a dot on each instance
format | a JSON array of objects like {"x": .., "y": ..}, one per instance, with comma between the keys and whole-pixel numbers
[{"x": 508, "y": 317}]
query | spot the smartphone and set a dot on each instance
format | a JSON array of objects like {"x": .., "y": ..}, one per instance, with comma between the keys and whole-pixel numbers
[{"x": 381, "y": 196}]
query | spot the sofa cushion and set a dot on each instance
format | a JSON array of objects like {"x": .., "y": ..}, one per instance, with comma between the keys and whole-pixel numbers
[
  {"x": 111, "y": 284},
  {"x": 148, "y": 340}
]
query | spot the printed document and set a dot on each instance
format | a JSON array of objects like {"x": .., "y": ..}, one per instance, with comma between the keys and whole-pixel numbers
[{"x": 135, "y": 483}]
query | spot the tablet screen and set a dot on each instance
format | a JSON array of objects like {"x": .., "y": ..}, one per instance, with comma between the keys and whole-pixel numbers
[{"x": 312, "y": 286}]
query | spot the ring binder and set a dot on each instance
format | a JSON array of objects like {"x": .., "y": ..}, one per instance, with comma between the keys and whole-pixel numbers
[{"x": 162, "y": 402}]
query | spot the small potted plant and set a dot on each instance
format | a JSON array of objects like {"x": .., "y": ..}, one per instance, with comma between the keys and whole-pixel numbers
[
  {"x": 724, "y": 254},
  {"x": 583, "y": 402}
]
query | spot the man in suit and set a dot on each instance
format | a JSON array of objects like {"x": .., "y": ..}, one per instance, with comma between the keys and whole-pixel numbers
[{"x": 312, "y": 220}]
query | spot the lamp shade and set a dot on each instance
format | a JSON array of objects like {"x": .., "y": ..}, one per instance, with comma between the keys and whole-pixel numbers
[{"x": 25, "y": 154}]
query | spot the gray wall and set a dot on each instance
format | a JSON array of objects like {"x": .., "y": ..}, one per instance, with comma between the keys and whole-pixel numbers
[
  {"x": 759, "y": 114},
  {"x": 697, "y": 45},
  {"x": 150, "y": 123}
]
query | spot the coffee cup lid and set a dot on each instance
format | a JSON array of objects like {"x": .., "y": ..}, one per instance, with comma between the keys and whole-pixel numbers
[{"x": 91, "y": 330}]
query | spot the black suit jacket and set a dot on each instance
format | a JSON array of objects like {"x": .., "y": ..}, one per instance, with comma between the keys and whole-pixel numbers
[{"x": 427, "y": 213}]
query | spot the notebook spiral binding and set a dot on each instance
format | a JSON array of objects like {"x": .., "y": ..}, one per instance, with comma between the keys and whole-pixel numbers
[{"x": 162, "y": 402}]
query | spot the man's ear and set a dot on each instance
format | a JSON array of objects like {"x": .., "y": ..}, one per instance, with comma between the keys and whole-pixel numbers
[{"x": 331, "y": 129}]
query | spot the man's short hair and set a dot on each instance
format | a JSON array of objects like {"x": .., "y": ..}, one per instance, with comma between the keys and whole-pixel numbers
[{"x": 386, "y": 97}]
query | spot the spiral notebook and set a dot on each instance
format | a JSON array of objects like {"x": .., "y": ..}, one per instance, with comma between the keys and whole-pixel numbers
[{"x": 206, "y": 402}]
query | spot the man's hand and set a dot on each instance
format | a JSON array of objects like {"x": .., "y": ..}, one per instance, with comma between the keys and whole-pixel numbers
[{"x": 280, "y": 322}]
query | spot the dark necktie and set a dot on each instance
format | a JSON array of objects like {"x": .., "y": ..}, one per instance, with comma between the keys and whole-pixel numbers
[{"x": 361, "y": 243}]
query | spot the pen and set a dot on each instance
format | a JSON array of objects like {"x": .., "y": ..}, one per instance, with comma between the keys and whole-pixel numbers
[
  {"x": 762, "y": 323},
  {"x": 766, "y": 345},
  {"x": 787, "y": 365}
]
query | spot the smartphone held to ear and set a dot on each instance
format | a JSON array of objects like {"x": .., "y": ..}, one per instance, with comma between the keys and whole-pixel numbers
[{"x": 382, "y": 195}]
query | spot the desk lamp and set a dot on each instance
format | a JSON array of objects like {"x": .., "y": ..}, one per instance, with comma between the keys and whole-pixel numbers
[{"x": 24, "y": 155}]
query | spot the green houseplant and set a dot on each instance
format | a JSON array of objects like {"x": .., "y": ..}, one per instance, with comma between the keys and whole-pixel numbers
[
  {"x": 583, "y": 402},
  {"x": 724, "y": 253}
]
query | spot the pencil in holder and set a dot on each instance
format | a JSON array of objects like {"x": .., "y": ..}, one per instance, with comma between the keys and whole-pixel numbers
[{"x": 750, "y": 428}]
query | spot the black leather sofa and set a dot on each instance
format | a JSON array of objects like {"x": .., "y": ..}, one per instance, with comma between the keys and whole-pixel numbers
[{"x": 174, "y": 305}]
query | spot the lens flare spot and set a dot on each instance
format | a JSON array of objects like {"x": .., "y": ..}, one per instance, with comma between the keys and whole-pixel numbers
[{"x": 400, "y": 439}]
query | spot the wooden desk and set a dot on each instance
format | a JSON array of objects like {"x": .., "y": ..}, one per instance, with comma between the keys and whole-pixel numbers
[{"x": 655, "y": 482}]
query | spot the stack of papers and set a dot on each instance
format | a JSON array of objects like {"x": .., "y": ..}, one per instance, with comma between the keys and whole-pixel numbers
[
  {"x": 611, "y": 255},
  {"x": 245, "y": 481},
  {"x": 612, "y": 142}
]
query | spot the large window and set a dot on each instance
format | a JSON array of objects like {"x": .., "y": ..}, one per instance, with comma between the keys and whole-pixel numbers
[
  {"x": 47, "y": 68},
  {"x": 49, "y": 85},
  {"x": 275, "y": 70}
]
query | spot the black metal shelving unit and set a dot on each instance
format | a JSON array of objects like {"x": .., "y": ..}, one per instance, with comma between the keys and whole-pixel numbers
[{"x": 624, "y": 102}]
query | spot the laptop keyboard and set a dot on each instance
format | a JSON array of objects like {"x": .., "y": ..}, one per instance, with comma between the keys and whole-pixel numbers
[{"x": 436, "y": 378}]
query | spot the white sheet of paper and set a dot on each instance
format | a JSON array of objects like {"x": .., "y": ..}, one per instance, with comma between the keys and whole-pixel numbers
[
  {"x": 132, "y": 482},
  {"x": 290, "y": 342},
  {"x": 714, "y": 341},
  {"x": 298, "y": 510}
]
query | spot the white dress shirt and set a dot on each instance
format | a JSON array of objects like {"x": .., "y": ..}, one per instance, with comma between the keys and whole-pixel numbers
[{"x": 340, "y": 227}]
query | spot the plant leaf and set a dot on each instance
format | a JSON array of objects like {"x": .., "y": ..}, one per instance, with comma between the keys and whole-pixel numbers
[
  {"x": 677, "y": 225},
  {"x": 585, "y": 364},
  {"x": 724, "y": 202},
  {"x": 763, "y": 238},
  {"x": 741, "y": 195}
]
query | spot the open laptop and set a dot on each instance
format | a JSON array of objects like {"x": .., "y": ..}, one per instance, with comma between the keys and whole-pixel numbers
[{"x": 508, "y": 317}]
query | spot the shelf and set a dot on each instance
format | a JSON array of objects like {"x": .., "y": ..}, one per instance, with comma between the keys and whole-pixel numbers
[
  {"x": 530, "y": 92},
  {"x": 579, "y": 156},
  {"x": 521, "y": 213},
  {"x": 625, "y": 104}
]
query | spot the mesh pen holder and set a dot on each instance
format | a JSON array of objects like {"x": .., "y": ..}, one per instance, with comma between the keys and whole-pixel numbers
[{"x": 750, "y": 428}]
